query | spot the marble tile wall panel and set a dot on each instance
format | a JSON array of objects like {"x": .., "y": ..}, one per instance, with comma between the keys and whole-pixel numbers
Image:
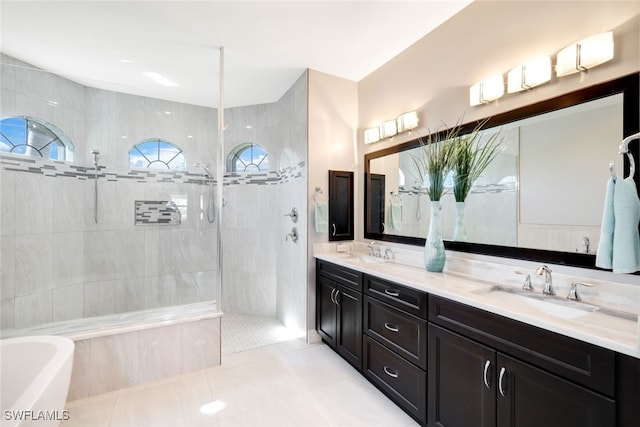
[
  {"x": 112, "y": 362},
  {"x": 172, "y": 266}
]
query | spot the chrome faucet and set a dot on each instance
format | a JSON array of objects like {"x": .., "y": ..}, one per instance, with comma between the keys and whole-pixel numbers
[
  {"x": 373, "y": 250},
  {"x": 548, "y": 282}
]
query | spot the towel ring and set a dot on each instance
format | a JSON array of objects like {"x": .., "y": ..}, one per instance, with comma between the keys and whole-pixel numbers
[{"x": 624, "y": 149}]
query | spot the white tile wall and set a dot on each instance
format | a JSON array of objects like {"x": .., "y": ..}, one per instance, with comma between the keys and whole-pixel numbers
[
  {"x": 53, "y": 251},
  {"x": 123, "y": 360}
]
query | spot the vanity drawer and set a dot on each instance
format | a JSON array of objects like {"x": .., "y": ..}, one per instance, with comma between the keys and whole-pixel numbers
[
  {"x": 403, "y": 333},
  {"x": 402, "y": 381},
  {"x": 575, "y": 360},
  {"x": 402, "y": 297},
  {"x": 344, "y": 276}
]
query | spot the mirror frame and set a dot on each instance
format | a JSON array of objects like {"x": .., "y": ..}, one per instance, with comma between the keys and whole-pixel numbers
[{"x": 627, "y": 85}]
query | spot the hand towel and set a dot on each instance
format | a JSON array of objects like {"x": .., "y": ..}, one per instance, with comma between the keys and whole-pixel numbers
[
  {"x": 619, "y": 246},
  {"x": 604, "y": 254},
  {"x": 626, "y": 240},
  {"x": 395, "y": 216},
  {"x": 322, "y": 216}
]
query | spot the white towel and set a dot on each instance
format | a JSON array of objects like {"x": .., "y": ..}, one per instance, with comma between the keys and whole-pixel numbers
[
  {"x": 619, "y": 241},
  {"x": 395, "y": 216},
  {"x": 322, "y": 216}
]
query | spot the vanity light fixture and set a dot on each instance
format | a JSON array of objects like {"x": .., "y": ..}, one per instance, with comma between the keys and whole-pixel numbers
[
  {"x": 371, "y": 135},
  {"x": 585, "y": 54},
  {"x": 407, "y": 121},
  {"x": 529, "y": 75},
  {"x": 388, "y": 129},
  {"x": 487, "y": 90}
]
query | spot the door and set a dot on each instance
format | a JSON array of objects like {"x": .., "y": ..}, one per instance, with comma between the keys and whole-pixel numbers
[
  {"x": 326, "y": 310},
  {"x": 349, "y": 339},
  {"x": 461, "y": 388},
  {"x": 340, "y": 205},
  {"x": 530, "y": 397}
]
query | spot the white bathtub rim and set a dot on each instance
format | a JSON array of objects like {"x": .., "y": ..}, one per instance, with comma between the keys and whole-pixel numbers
[
  {"x": 102, "y": 326},
  {"x": 62, "y": 359}
]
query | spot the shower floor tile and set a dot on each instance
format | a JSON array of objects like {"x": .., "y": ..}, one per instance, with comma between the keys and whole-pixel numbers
[
  {"x": 284, "y": 384},
  {"x": 242, "y": 332}
]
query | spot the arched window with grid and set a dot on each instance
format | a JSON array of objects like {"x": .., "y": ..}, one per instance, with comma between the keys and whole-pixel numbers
[
  {"x": 157, "y": 154},
  {"x": 248, "y": 157},
  {"x": 34, "y": 137}
]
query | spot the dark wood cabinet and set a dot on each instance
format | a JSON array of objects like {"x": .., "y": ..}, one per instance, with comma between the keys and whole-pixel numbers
[
  {"x": 448, "y": 364},
  {"x": 462, "y": 389},
  {"x": 340, "y": 205},
  {"x": 339, "y": 311},
  {"x": 375, "y": 195},
  {"x": 395, "y": 343},
  {"x": 475, "y": 384}
]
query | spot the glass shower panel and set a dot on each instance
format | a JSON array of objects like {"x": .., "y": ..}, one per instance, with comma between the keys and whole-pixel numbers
[{"x": 57, "y": 264}]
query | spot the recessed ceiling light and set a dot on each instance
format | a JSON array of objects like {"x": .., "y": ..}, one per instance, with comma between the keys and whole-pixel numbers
[{"x": 160, "y": 79}]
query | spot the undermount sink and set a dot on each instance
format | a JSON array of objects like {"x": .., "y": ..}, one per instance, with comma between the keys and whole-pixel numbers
[
  {"x": 548, "y": 304},
  {"x": 367, "y": 259}
]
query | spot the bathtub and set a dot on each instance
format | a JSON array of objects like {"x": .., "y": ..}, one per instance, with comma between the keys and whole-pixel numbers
[
  {"x": 36, "y": 371},
  {"x": 126, "y": 349}
]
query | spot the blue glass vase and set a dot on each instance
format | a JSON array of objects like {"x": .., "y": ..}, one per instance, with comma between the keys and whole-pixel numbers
[{"x": 434, "y": 255}]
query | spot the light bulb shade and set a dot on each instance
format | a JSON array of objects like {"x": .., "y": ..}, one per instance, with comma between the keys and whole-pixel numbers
[
  {"x": 585, "y": 54},
  {"x": 371, "y": 135},
  {"x": 388, "y": 129},
  {"x": 407, "y": 121},
  {"x": 487, "y": 90},
  {"x": 529, "y": 75}
]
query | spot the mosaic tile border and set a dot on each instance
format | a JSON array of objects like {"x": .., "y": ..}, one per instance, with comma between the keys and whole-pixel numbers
[{"x": 60, "y": 169}]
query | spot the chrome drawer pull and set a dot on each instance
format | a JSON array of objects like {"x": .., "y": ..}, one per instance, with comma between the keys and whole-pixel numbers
[
  {"x": 390, "y": 372},
  {"x": 391, "y": 327},
  {"x": 503, "y": 371},
  {"x": 487, "y": 365},
  {"x": 392, "y": 293},
  {"x": 332, "y": 295}
]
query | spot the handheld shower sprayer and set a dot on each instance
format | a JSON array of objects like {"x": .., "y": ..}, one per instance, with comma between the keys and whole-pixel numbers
[{"x": 210, "y": 203}]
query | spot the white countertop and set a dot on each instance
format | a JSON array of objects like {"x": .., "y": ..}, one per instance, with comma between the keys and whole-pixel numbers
[{"x": 605, "y": 330}]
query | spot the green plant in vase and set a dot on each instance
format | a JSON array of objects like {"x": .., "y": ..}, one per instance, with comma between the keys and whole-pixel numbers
[
  {"x": 434, "y": 163},
  {"x": 470, "y": 158}
]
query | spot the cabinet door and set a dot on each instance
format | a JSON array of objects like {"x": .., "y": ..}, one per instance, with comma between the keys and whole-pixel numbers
[
  {"x": 326, "y": 310},
  {"x": 530, "y": 397},
  {"x": 340, "y": 205},
  {"x": 461, "y": 390},
  {"x": 349, "y": 337},
  {"x": 376, "y": 201}
]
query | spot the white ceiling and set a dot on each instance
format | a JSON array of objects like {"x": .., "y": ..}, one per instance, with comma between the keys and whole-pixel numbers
[{"x": 267, "y": 44}]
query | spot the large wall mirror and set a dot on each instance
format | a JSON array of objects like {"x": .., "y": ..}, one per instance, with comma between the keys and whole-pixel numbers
[{"x": 542, "y": 197}]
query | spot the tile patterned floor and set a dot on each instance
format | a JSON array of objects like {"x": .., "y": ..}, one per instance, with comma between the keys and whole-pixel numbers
[
  {"x": 284, "y": 384},
  {"x": 242, "y": 332}
]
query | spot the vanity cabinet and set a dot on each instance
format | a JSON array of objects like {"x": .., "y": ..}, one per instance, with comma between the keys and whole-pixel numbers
[
  {"x": 339, "y": 310},
  {"x": 493, "y": 371},
  {"x": 340, "y": 205},
  {"x": 395, "y": 343}
]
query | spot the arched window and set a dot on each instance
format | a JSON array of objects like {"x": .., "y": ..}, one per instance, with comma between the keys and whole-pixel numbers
[
  {"x": 157, "y": 154},
  {"x": 248, "y": 158},
  {"x": 34, "y": 137}
]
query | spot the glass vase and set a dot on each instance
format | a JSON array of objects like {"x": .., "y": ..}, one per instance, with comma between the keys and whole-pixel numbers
[
  {"x": 460, "y": 231},
  {"x": 434, "y": 255}
]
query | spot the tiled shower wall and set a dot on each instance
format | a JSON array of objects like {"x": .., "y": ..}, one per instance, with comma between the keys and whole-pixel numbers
[
  {"x": 56, "y": 263},
  {"x": 264, "y": 273}
]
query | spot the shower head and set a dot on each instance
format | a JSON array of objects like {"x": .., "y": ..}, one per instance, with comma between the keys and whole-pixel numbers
[{"x": 203, "y": 167}]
